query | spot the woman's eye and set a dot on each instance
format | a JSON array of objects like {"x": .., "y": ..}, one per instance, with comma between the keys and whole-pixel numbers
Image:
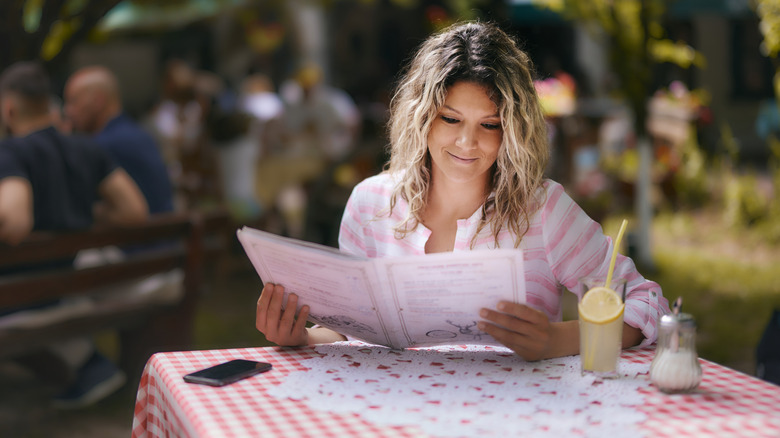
[
  {"x": 449, "y": 120},
  {"x": 492, "y": 126}
]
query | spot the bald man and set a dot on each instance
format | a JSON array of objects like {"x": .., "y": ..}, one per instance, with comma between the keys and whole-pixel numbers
[{"x": 93, "y": 106}]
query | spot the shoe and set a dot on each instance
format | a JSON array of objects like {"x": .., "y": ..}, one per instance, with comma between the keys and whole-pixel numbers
[{"x": 95, "y": 380}]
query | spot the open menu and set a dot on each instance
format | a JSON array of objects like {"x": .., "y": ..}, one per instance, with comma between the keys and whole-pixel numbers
[{"x": 399, "y": 302}]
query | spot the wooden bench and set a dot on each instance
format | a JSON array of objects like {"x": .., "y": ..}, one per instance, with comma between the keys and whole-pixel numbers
[{"x": 181, "y": 240}]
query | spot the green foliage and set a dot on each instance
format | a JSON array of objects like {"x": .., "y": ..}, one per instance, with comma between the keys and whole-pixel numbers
[
  {"x": 769, "y": 225},
  {"x": 676, "y": 52},
  {"x": 768, "y": 12},
  {"x": 623, "y": 166},
  {"x": 769, "y": 15},
  {"x": 727, "y": 277},
  {"x": 47, "y": 29},
  {"x": 637, "y": 41},
  {"x": 691, "y": 179},
  {"x": 743, "y": 203},
  {"x": 747, "y": 199},
  {"x": 636, "y": 26}
]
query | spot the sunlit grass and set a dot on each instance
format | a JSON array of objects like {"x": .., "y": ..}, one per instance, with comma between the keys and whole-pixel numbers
[{"x": 728, "y": 279}]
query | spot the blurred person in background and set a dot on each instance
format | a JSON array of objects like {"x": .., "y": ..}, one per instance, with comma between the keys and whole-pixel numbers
[
  {"x": 93, "y": 106},
  {"x": 259, "y": 99},
  {"x": 320, "y": 118},
  {"x": 54, "y": 182},
  {"x": 177, "y": 123},
  {"x": 241, "y": 132},
  {"x": 321, "y": 128}
]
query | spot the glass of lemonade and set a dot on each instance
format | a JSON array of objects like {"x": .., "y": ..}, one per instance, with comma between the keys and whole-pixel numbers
[{"x": 600, "y": 312}]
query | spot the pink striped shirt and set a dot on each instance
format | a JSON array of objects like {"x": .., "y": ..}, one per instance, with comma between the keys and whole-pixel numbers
[{"x": 561, "y": 246}]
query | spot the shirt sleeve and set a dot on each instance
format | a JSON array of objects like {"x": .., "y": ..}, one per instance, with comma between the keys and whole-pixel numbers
[
  {"x": 105, "y": 165},
  {"x": 10, "y": 164},
  {"x": 576, "y": 247}
]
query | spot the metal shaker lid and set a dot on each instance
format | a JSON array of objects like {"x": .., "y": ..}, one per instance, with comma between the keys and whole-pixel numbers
[{"x": 678, "y": 320}]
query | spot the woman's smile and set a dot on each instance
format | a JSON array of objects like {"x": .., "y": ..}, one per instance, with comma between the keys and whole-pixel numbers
[{"x": 462, "y": 159}]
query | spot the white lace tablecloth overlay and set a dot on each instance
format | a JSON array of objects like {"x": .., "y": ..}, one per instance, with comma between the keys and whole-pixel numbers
[{"x": 469, "y": 391}]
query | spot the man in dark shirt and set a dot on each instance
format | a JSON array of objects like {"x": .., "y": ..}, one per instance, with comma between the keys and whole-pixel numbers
[
  {"x": 53, "y": 182},
  {"x": 93, "y": 106}
]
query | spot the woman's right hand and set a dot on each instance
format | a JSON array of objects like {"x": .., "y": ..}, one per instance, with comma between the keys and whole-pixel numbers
[{"x": 278, "y": 321}]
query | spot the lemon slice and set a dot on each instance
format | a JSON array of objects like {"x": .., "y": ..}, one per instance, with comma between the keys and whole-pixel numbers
[{"x": 601, "y": 305}]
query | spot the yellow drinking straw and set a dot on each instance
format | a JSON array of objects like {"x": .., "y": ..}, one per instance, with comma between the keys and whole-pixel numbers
[{"x": 614, "y": 253}]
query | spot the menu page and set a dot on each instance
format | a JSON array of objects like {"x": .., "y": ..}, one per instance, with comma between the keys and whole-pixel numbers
[
  {"x": 398, "y": 302},
  {"x": 438, "y": 296},
  {"x": 337, "y": 287}
]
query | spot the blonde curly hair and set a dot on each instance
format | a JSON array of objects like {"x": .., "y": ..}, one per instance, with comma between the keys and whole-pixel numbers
[{"x": 483, "y": 54}]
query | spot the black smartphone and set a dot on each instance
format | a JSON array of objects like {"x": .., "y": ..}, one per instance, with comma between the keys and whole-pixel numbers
[{"x": 227, "y": 372}]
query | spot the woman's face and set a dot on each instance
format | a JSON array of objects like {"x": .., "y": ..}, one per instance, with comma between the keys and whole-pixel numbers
[{"x": 466, "y": 135}]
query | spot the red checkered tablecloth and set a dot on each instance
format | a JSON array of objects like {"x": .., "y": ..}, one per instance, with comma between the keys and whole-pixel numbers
[{"x": 727, "y": 403}]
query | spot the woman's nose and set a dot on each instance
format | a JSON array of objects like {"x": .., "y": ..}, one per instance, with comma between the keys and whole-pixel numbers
[{"x": 466, "y": 138}]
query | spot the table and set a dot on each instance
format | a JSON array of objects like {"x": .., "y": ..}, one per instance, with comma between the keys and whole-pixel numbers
[{"x": 727, "y": 403}]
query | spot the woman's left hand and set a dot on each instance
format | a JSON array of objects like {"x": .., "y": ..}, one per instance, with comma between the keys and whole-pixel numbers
[{"x": 527, "y": 331}]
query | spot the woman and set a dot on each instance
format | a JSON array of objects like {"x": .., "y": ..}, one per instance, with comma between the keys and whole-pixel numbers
[{"x": 468, "y": 153}]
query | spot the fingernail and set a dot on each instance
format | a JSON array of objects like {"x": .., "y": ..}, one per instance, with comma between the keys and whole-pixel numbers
[
  {"x": 481, "y": 325},
  {"x": 501, "y": 306},
  {"x": 483, "y": 313}
]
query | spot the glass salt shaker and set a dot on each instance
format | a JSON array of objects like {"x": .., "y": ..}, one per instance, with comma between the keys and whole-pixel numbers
[{"x": 675, "y": 367}]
